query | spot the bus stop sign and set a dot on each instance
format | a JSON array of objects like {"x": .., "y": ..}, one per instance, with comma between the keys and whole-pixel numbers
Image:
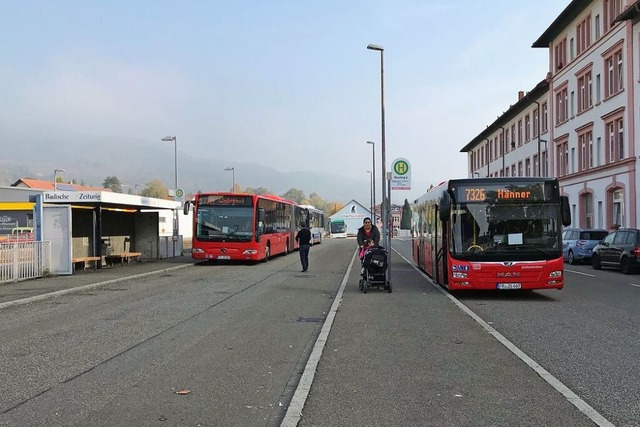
[{"x": 400, "y": 175}]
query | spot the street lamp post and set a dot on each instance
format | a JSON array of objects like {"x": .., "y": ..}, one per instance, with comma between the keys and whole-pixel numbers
[
  {"x": 373, "y": 185},
  {"x": 373, "y": 215},
  {"x": 176, "y": 226},
  {"x": 55, "y": 178},
  {"x": 233, "y": 177},
  {"x": 385, "y": 203}
]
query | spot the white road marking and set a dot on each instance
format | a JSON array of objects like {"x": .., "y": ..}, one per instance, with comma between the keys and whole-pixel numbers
[
  {"x": 580, "y": 272},
  {"x": 294, "y": 411},
  {"x": 573, "y": 398}
]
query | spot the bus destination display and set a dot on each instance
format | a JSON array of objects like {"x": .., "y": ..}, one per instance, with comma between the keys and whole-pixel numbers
[
  {"x": 487, "y": 192},
  {"x": 225, "y": 200}
]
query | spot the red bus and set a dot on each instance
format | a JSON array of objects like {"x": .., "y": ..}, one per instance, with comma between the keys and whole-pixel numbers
[
  {"x": 247, "y": 227},
  {"x": 492, "y": 233}
]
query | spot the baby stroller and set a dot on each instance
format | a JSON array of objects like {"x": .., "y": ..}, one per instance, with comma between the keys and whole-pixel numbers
[{"x": 374, "y": 269}]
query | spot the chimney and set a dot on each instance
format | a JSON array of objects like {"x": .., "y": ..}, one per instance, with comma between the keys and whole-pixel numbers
[{"x": 520, "y": 95}]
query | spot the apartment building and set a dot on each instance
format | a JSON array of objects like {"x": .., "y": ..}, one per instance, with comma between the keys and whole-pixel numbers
[{"x": 578, "y": 124}]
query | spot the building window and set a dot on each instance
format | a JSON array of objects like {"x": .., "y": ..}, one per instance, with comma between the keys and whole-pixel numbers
[
  {"x": 583, "y": 34},
  {"x": 562, "y": 109},
  {"x": 585, "y": 148},
  {"x": 520, "y": 133},
  {"x": 612, "y": 9},
  {"x": 536, "y": 165},
  {"x": 587, "y": 208},
  {"x": 597, "y": 25},
  {"x": 527, "y": 167},
  {"x": 585, "y": 91},
  {"x": 545, "y": 118},
  {"x": 614, "y": 138},
  {"x": 617, "y": 211},
  {"x": 560, "y": 54},
  {"x": 520, "y": 170},
  {"x": 536, "y": 122},
  {"x": 527, "y": 128},
  {"x": 613, "y": 67},
  {"x": 562, "y": 154}
]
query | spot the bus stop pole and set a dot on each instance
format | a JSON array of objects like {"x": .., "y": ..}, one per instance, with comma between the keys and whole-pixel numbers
[{"x": 389, "y": 228}]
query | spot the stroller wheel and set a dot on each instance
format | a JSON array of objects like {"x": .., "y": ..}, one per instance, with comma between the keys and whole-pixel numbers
[
  {"x": 365, "y": 286},
  {"x": 388, "y": 287},
  {"x": 360, "y": 284}
]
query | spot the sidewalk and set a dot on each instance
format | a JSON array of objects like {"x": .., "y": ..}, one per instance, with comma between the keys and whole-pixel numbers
[{"x": 26, "y": 291}]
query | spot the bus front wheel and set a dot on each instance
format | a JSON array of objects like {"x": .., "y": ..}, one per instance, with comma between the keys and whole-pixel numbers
[{"x": 267, "y": 253}]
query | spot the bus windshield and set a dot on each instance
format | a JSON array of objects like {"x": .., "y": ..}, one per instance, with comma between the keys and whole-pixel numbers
[
  {"x": 338, "y": 227},
  {"x": 506, "y": 231},
  {"x": 224, "y": 223}
]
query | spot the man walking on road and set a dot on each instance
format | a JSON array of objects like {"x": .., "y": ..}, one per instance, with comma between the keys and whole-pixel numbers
[{"x": 303, "y": 237}]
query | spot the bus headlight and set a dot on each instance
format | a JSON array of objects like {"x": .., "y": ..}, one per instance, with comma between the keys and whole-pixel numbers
[
  {"x": 198, "y": 251},
  {"x": 250, "y": 252},
  {"x": 556, "y": 273},
  {"x": 459, "y": 275}
]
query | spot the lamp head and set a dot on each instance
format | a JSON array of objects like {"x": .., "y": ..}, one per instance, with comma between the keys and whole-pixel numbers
[
  {"x": 375, "y": 47},
  {"x": 371, "y": 142},
  {"x": 169, "y": 138}
]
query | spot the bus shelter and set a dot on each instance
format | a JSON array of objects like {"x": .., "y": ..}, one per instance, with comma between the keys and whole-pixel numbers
[{"x": 106, "y": 227}]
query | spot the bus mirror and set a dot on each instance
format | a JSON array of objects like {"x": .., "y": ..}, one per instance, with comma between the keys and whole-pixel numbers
[
  {"x": 186, "y": 207},
  {"x": 565, "y": 211},
  {"x": 444, "y": 206}
]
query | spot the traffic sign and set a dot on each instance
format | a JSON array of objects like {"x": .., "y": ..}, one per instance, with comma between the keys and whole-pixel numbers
[
  {"x": 400, "y": 175},
  {"x": 179, "y": 196}
]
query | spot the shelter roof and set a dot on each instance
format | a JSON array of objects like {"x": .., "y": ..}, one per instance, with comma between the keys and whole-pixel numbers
[{"x": 38, "y": 184}]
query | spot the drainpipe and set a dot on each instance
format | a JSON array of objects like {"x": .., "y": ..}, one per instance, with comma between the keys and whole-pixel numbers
[
  {"x": 503, "y": 148},
  {"x": 488, "y": 157},
  {"x": 539, "y": 118}
]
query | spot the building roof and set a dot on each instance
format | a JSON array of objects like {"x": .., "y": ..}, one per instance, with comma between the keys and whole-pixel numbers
[
  {"x": 38, "y": 184},
  {"x": 512, "y": 112},
  {"x": 632, "y": 12},
  {"x": 571, "y": 12}
]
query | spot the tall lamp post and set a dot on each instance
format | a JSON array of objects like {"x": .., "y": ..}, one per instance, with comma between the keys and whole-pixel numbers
[
  {"x": 384, "y": 205},
  {"x": 371, "y": 194},
  {"x": 176, "y": 226},
  {"x": 373, "y": 185},
  {"x": 55, "y": 178},
  {"x": 233, "y": 177}
]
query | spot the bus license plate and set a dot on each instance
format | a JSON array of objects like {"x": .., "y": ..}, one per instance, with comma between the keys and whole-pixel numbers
[
  {"x": 509, "y": 285},
  {"x": 224, "y": 257}
]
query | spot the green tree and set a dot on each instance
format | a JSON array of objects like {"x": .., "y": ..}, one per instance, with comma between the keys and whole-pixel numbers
[
  {"x": 405, "y": 220},
  {"x": 112, "y": 183},
  {"x": 296, "y": 195},
  {"x": 157, "y": 189},
  {"x": 258, "y": 190}
]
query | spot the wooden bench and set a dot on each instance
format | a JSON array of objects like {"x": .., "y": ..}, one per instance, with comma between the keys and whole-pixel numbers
[
  {"x": 84, "y": 260},
  {"x": 123, "y": 257}
]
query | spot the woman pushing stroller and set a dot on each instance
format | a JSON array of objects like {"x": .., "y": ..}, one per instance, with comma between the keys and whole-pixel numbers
[
  {"x": 373, "y": 258},
  {"x": 368, "y": 235}
]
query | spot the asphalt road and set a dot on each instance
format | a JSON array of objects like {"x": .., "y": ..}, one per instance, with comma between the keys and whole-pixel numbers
[{"x": 228, "y": 345}]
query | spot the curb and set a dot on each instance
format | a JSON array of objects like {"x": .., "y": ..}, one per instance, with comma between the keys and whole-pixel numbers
[{"x": 86, "y": 287}]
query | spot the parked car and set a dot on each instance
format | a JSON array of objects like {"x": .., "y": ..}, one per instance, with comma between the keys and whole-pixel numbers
[
  {"x": 578, "y": 243},
  {"x": 619, "y": 249}
]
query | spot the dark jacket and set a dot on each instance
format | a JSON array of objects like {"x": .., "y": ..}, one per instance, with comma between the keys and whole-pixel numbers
[
  {"x": 373, "y": 235},
  {"x": 303, "y": 236}
]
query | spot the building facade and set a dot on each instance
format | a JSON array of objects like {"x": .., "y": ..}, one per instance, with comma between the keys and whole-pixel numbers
[{"x": 578, "y": 124}]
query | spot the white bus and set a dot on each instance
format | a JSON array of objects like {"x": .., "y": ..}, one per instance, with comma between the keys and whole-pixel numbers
[
  {"x": 338, "y": 228},
  {"x": 315, "y": 223}
]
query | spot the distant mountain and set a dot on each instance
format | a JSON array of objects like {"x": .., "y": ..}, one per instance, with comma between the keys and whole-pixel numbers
[{"x": 89, "y": 159}]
